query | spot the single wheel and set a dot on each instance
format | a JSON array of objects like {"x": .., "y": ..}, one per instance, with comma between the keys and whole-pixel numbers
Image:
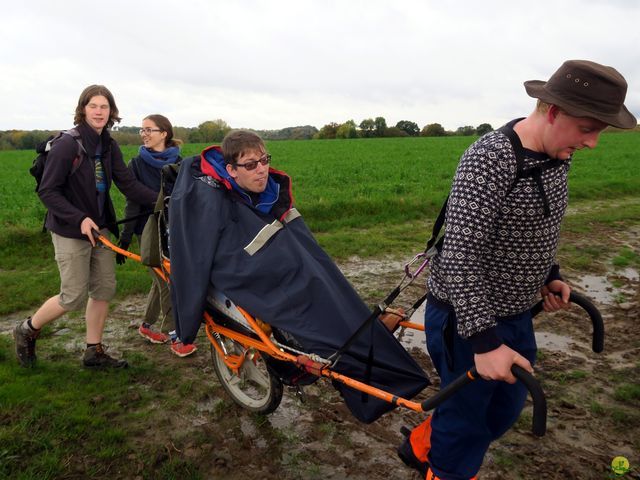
[{"x": 254, "y": 388}]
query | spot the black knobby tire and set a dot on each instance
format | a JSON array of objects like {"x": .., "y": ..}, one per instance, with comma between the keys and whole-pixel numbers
[{"x": 254, "y": 388}]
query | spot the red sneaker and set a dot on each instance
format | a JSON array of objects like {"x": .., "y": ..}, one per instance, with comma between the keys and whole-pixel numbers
[
  {"x": 153, "y": 337},
  {"x": 183, "y": 349}
]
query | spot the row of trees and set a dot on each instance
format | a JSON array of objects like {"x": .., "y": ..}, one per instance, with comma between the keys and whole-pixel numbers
[
  {"x": 213, "y": 131},
  {"x": 207, "y": 132},
  {"x": 370, "y": 127}
]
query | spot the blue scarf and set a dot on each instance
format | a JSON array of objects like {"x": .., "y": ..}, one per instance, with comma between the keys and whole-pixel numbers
[
  {"x": 148, "y": 170},
  {"x": 159, "y": 159}
]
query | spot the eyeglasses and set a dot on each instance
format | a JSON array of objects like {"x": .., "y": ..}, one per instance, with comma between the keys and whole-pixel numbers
[
  {"x": 253, "y": 164},
  {"x": 148, "y": 131}
]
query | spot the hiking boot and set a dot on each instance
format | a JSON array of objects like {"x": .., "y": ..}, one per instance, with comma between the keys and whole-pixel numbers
[
  {"x": 154, "y": 337},
  {"x": 25, "y": 338},
  {"x": 183, "y": 349},
  {"x": 95, "y": 357},
  {"x": 405, "y": 452}
]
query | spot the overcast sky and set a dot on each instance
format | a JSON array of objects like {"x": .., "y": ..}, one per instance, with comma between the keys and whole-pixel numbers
[{"x": 272, "y": 64}]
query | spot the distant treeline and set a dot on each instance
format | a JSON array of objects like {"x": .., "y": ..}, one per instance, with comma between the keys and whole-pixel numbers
[
  {"x": 377, "y": 127},
  {"x": 213, "y": 131}
]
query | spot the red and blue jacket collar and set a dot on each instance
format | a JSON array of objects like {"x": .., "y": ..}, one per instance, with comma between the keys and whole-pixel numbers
[{"x": 277, "y": 197}]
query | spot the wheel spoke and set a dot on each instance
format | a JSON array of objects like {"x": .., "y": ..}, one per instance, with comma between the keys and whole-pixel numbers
[
  {"x": 234, "y": 380},
  {"x": 254, "y": 374},
  {"x": 252, "y": 386}
]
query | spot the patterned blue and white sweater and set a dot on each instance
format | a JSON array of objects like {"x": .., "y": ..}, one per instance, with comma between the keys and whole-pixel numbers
[{"x": 499, "y": 247}]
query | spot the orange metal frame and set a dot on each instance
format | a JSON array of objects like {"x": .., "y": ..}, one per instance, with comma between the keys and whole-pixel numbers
[
  {"x": 162, "y": 271},
  {"x": 264, "y": 344}
]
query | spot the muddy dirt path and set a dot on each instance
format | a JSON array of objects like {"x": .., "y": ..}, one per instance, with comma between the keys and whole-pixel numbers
[{"x": 593, "y": 414}]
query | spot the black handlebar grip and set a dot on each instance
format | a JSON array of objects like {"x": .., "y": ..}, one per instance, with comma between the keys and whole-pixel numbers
[
  {"x": 597, "y": 344},
  {"x": 539, "y": 423}
]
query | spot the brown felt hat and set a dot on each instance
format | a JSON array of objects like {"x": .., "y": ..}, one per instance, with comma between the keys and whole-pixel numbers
[{"x": 586, "y": 89}]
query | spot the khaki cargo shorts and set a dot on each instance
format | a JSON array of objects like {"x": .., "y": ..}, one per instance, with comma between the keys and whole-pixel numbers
[{"x": 85, "y": 271}]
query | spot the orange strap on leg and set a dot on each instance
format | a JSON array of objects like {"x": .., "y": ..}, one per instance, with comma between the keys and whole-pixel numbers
[
  {"x": 433, "y": 476},
  {"x": 420, "y": 440}
]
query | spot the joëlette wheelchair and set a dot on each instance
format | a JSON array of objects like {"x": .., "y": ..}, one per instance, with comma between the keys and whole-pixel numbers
[{"x": 248, "y": 355}]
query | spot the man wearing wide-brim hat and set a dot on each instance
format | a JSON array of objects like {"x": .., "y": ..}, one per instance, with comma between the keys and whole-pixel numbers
[
  {"x": 586, "y": 89},
  {"x": 503, "y": 219}
]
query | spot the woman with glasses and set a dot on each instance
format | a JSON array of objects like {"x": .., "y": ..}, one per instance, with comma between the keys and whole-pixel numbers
[{"x": 159, "y": 148}]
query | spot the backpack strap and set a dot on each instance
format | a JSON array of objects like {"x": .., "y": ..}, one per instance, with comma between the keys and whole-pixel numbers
[
  {"x": 43, "y": 150},
  {"x": 516, "y": 144},
  {"x": 531, "y": 172},
  {"x": 73, "y": 132},
  {"x": 536, "y": 173},
  {"x": 434, "y": 244}
]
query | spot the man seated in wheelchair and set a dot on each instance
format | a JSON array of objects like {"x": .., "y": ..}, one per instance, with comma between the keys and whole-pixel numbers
[{"x": 233, "y": 225}]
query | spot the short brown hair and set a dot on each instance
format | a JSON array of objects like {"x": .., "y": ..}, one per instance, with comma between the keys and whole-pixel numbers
[
  {"x": 164, "y": 125},
  {"x": 93, "y": 91},
  {"x": 236, "y": 142},
  {"x": 543, "y": 107}
]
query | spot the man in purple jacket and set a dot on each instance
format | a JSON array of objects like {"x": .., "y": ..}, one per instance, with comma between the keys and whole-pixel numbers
[{"x": 80, "y": 167}]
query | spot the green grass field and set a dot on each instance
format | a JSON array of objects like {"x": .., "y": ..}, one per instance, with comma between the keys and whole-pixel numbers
[
  {"x": 370, "y": 198},
  {"x": 366, "y": 197}
]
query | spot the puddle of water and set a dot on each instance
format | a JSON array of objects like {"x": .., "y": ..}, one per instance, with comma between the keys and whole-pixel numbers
[
  {"x": 559, "y": 343},
  {"x": 624, "y": 358},
  {"x": 597, "y": 288},
  {"x": 209, "y": 405},
  {"x": 249, "y": 430},
  {"x": 552, "y": 341},
  {"x": 289, "y": 412},
  {"x": 629, "y": 273}
]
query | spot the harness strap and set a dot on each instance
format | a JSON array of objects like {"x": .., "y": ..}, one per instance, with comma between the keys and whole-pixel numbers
[
  {"x": 367, "y": 373},
  {"x": 437, "y": 226},
  {"x": 377, "y": 311},
  {"x": 536, "y": 173}
]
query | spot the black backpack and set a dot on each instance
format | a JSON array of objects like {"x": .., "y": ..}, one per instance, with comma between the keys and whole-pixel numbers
[
  {"x": 42, "y": 149},
  {"x": 37, "y": 167}
]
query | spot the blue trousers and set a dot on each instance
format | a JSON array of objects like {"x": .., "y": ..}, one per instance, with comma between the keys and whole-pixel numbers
[{"x": 463, "y": 427}]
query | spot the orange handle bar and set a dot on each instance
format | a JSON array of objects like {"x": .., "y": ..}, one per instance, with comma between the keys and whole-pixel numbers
[
  {"x": 162, "y": 272},
  {"x": 414, "y": 326}
]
